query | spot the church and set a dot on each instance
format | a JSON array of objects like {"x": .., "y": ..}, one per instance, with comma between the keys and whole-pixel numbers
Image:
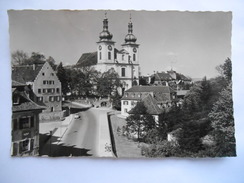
[{"x": 124, "y": 61}]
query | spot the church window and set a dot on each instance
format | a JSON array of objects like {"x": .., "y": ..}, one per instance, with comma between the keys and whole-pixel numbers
[
  {"x": 109, "y": 55},
  {"x": 134, "y": 57},
  {"x": 123, "y": 72},
  {"x": 123, "y": 57},
  {"x": 100, "y": 55}
]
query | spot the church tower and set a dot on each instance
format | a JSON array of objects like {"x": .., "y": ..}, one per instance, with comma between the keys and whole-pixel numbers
[
  {"x": 132, "y": 48},
  {"x": 130, "y": 44},
  {"x": 105, "y": 46}
]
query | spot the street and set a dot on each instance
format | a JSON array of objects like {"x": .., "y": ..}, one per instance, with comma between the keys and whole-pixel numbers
[{"x": 87, "y": 135}]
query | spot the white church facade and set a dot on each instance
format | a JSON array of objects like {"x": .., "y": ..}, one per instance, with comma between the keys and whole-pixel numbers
[{"x": 124, "y": 61}]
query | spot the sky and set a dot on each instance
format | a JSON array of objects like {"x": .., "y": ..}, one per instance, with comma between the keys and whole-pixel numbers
[{"x": 192, "y": 43}]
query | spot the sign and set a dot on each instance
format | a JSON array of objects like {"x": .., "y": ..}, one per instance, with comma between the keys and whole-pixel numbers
[{"x": 26, "y": 134}]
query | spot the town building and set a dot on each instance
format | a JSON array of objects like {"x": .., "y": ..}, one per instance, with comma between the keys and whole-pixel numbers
[
  {"x": 124, "y": 61},
  {"x": 45, "y": 85},
  {"x": 155, "y": 98},
  {"x": 25, "y": 121},
  {"x": 171, "y": 78}
]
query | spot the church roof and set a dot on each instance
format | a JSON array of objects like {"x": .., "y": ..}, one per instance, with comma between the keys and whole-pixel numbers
[{"x": 87, "y": 59}]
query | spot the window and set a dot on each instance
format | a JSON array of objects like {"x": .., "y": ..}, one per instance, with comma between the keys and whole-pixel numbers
[
  {"x": 57, "y": 90},
  {"x": 57, "y": 98},
  {"x": 134, "y": 57},
  {"x": 139, "y": 95},
  {"x": 109, "y": 55},
  {"x": 26, "y": 122},
  {"x": 125, "y": 102},
  {"x": 16, "y": 99},
  {"x": 44, "y": 82},
  {"x": 25, "y": 145},
  {"x": 123, "y": 57},
  {"x": 14, "y": 124},
  {"x": 39, "y": 99},
  {"x": 51, "y": 98},
  {"x": 123, "y": 72},
  {"x": 39, "y": 91},
  {"x": 44, "y": 90},
  {"x": 43, "y": 74},
  {"x": 52, "y": 74},
  {"x": 126, "y": 94},
  {"x": 100, "y": 55}
]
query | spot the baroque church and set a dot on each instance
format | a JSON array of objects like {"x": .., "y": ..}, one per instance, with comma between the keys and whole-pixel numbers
[{"x": 124, "y": 61}]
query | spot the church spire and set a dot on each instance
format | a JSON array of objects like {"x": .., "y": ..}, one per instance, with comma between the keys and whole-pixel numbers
[
  {"x": 130, "y": 38},
  {"x": 105, "y": 35}
]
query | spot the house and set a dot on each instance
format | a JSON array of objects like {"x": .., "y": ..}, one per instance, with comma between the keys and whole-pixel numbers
[
  {"x": 45, "y": 85},
  {"x": 151, "y": 105},
  {"x": 25, "y": 121},
  {"x": 161, "y": 97},
  {"x": 176, "y": 81},
  {"x": 124, "y": 61}
]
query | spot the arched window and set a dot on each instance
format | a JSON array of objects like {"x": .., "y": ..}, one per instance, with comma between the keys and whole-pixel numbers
[
  {"x": 109, "y": 55},
  {"x": 100, "y": 55},
  {"x": 134, "y": 57},
  {"x": 123, "y": 72}
]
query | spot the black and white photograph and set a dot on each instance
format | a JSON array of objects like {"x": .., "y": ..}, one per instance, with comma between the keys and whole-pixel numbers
[{"x": 121, "y": 84}]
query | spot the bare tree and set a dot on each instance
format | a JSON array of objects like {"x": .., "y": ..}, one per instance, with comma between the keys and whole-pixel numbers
[{"x": 19, "y": 57}]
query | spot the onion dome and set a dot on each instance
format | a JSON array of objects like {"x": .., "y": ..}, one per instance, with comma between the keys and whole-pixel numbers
[
  {"x": 105, "y": 35},
  {"x": 130, "y": 38}
]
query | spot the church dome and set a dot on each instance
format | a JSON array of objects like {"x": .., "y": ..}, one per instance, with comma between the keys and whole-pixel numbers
[
  {"x": 105, "y": 35},
  {"x": 130, "y": 38}
]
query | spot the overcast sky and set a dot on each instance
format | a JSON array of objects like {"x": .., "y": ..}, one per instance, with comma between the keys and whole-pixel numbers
[{"x": 192, "y": 43}]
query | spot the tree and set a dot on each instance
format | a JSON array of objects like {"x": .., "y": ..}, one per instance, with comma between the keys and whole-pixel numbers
[
  {"x": 225, "y": 69},
  {"x": 140, "y": 121},
  {"x": 142, "y": 81},
  {"x": 52, "y": 62},
  {"x": 90, "y": 79},
  {"x": 61, "y": 73},
  {"x": 108, "y": 83},
  {"x": 19, "y": 57},
  {"x": 222, "y": 121}
]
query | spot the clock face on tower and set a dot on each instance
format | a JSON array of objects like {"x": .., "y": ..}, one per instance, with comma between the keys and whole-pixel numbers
[
  {"x": 134, "y": 50},
  {"x": 100, "y": 47},
  {"x": 110, "y": 47}
]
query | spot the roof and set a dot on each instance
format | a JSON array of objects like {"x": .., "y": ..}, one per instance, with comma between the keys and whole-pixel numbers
[
  {"x": 151, "y": 105},
  {"x": 162, "y": 89},
  {"x": 25, "y": 103},
  {"x": 16, "y": 83},
  {"x": 25, "y": 73},
  {"x": 180, "y": 76},
  {"x": 163, "y": 76},
  {"x": 182, "y": 92},
  {"x": 87, "y": 59}
]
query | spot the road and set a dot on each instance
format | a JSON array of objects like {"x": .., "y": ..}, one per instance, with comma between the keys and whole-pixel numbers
[{"x": 86, "y": 136}]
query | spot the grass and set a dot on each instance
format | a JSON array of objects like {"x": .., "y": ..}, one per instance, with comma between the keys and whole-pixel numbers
[{"x": 125, "y": 147}]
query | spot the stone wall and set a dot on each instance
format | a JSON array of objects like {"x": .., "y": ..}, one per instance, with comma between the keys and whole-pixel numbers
[{"x": 51, "y": 116}]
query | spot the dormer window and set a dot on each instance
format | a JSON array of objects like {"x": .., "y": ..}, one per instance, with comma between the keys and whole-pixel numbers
[{"x": 16, "y": 100}]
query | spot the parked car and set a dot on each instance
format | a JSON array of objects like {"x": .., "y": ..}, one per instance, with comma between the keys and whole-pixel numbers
[{"x": 77, "y": 116}]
